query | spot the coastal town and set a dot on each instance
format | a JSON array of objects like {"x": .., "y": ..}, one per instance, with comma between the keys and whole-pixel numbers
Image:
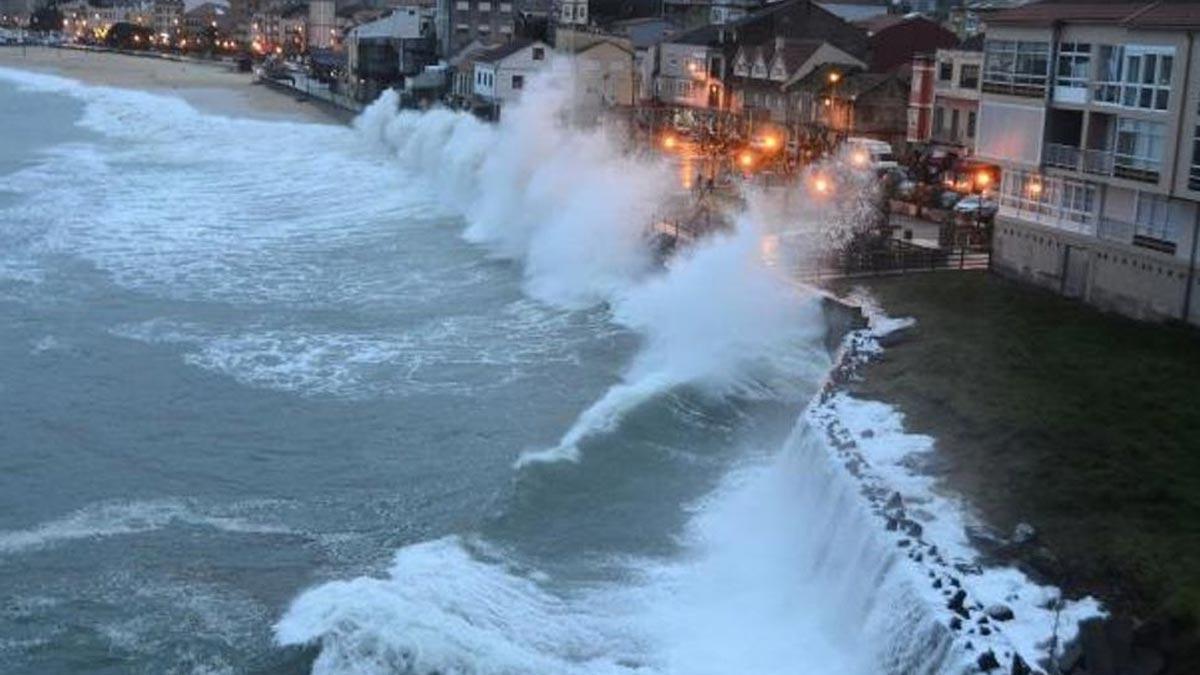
[
  {"x": 1021, "y": 265},
  {"x": 1100, "y": 205}
]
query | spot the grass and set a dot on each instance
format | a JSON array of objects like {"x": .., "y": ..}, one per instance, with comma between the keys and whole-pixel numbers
[{"x": 1084, "y": 424}]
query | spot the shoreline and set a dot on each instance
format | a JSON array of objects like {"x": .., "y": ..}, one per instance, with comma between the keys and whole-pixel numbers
[
  {"x": 211, "y": 87},
  {"x": 1015, "y": 386},
  {"x": 995, "y": 613}
]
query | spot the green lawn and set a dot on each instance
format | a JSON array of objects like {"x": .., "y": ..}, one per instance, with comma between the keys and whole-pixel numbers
[{"x": 1085, "y": 424}]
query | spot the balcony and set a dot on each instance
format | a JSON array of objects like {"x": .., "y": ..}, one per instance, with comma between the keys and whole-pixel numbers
[
  {"x": 1062, "y": 156},
  {"x": 948, "y": 137},
  {"x": 1098, "y": 162},
  {"x": 1142, "y": 174},
  {"x": 1031, "y": 88}
]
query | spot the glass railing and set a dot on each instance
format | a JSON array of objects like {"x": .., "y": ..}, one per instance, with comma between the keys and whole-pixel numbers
[
  {"x": 1062, "y": 156},
  {"x": 1099, "y": 162}
]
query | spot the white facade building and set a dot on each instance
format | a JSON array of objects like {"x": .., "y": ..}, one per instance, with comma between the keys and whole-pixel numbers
[{"x": 502, "y": 73}]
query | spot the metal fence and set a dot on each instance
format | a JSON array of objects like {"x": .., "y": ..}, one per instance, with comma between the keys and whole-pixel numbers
[{"x": 895, "y": 256}]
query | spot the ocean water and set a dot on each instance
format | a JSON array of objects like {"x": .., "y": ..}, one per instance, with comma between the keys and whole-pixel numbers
[{"x": 407, "y": 397}]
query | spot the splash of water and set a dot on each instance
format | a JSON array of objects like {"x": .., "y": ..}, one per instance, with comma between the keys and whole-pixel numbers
[{"x": 573, "y": 208}]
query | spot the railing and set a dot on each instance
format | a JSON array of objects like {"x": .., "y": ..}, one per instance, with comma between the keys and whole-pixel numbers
[
  {"x": 1141, "y": 174},
  {"x": 895, "y": 256},
  {"x": 1062, "y": 156},
  {"x": 1026, "y": 89},
  {"x": 1099, "y": 162},
  {"x": 949, "y": 138}
]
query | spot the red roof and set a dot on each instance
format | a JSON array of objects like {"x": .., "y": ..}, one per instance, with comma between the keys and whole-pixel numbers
[{"x": 1175, "y": 14}]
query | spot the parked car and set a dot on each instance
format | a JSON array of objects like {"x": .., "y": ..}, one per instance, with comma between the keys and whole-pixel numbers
[
  {"x": 869, "y": 153},
  {"x": 906, "y": 189},
  {"x": 977, "y": 207},
  {"x": 948, "y": 199}
]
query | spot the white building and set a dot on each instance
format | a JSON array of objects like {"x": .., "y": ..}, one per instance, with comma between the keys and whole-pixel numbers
[
  {"x": 503, "y": 72},
  {"x": 1093, "y": 118}
]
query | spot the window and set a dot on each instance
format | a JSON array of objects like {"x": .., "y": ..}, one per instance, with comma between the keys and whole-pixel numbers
[
  {"x": 939, "y": 119},
  {"x": 945, "y": 71},
  {"x": 971, "y": 124},
  {"x": 1139, "y": 149},
  {"x": 483, "y": 28},
  {"x": 1194, "y": 174},
  {"x": 568, "y": 13},
  {"x": 462, "y": 5},
  {"x": 1108, "y": 75},
  {"x": 1065, "y": 204},
  {"x": 518, "y": 81},
  {"x": 506, "y": 7},
  {"x": 485, "y": 6},
  {"x": 968, "y": 76},
  {"x": 1017, "y": 68},
  {"x": 539, "y": 53},
  {"x": 1135, "y": 76},
  {"x": 1074, "y": 65},
  {"x": 1155, "y": 219}
]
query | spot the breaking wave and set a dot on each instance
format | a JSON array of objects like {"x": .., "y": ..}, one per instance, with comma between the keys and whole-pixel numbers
[{"x": 775, "y": 572}]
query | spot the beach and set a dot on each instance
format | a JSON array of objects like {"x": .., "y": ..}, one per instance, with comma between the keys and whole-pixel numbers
[{"x": 213, "y": 87}]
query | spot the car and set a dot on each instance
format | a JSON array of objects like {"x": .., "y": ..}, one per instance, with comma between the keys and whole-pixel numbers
[
  {"x": 869, "y": 153},
  {"x": 906, "y": 190},
  {"x": 978, "y": 207},
  {"x": 948, "y": 199}
]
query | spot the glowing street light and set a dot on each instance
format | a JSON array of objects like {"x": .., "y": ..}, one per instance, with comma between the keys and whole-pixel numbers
[
  {"x": 859, "y": 158},
  {"x": 983, "y": 179},
  {"x": 834, "y": 77},
  {"x": 669, "y": 142},
  {"x": 821, "y": 185},
  {"x": 1035, "y": 189},
  {"x": 746, "y": 159}
]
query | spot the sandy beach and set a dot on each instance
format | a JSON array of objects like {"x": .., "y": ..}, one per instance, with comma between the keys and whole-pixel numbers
[{"x": 213, "y": 87}]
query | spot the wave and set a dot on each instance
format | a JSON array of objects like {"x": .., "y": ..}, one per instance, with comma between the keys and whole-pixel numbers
[
  {"x": 111, "y": 519},
  {"x": 573, "y": 207}
]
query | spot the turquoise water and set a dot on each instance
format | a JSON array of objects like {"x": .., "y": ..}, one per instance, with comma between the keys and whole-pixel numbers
[{"x": 240, "y": 359}]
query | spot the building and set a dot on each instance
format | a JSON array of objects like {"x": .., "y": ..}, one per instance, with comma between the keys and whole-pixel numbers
[
  {"x": 855, "y": 10},
  {"x": 894, "y": 40},
  {"x": 168, "y": 18},
  {"x": 835, "y": 102},
  {"x": 606, "y": 75},
  {"x": 462, "y": 22},
  {"x": 763, "y": 73},
  {"x": 643, "y": 36},
  {"x": 944, "y": 100},
  {"x": 383, "y": 52},
  {"x": 322, "y": 24},
  {"x": 694, "y": 68},
  {"x": 1092, "y": 112},
  {"x": 206, "y": 17},
  {"x": 462, "y": 80},
  {"x": 501, "y": 73}
]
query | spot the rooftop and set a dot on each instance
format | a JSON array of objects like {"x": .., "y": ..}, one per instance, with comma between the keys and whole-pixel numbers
[{"x": 1164, "y": 14}]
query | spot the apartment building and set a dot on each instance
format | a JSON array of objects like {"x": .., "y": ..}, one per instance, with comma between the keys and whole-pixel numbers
[
  {"x": 943, "y": 107},
  {"x": 1091, "y": 110},
  {"x": 697, "y": 69}
]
